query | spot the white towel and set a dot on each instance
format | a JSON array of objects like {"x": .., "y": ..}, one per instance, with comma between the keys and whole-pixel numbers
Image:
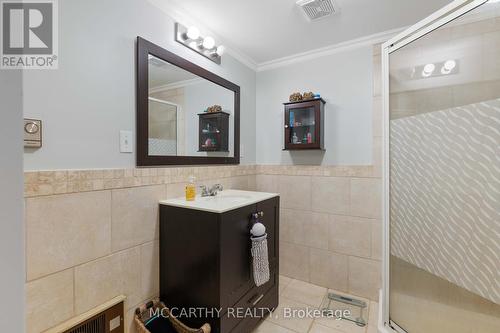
[{"x": 260, "y": 260}]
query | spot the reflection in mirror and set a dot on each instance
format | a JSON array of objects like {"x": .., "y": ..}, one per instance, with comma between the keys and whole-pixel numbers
[{"x": 184, "y": 114}]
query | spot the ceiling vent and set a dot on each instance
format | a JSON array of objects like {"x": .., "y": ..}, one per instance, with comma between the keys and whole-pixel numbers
[{"x": 316, "y": 9}]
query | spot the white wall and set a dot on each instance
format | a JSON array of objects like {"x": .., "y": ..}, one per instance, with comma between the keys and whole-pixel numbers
[
  {"x": 13, "y": 275},
  {"x": 91, "y": 96},
  {"x": 344, "y": 80}
]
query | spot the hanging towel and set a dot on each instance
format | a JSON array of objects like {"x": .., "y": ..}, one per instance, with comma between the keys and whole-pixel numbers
[{"x": 260, "y": 258}]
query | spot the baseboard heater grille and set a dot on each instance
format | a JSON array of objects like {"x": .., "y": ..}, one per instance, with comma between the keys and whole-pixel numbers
[
  {"x": 105, "y": 318},
  {"x": 93, "y": 325}
]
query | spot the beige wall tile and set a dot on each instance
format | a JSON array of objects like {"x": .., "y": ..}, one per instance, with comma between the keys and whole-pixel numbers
[
  {"x": 267, "y": 183},
  {"x": 294, "y": 261},
  {"x": 105, "y": 278},
  {"x": 295, "y": 192},
  {"x": 49, "y": 301},
  {"x": 377, "y": 240},
  {"x": 364, "y": 277},
  {"x": 66, "y": 230},
  {"x": 135, "y": 215},
  {"x": 315, "y": 226},
  {"x": 366, "y": 197},
  {"x": 150, "y": 269},
  {"x": 236, "y": 183},
  {"x": 331, "y": 195},
  {"x": 350, "y": 235},
  {"x": 329, "y": 269},
  {"x": 304, "y": 228},
  {"x": 176, "y": 190},
  {"x": 377, "y": 152}
]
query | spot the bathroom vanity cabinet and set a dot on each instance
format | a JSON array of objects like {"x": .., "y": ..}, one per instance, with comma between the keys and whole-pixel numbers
[
  {"x": 205, "y": 259},
  {"x": 304, "y": 124}
]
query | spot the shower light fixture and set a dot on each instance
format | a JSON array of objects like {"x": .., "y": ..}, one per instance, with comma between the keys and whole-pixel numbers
[
  {"x": 448, "y": 66},
  {"x": 428, "y": 70},
  {"x": 192, "y": 39}
]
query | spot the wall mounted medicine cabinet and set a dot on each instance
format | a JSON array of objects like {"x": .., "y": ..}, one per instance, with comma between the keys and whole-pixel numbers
[{"x": 304, "y": 124}]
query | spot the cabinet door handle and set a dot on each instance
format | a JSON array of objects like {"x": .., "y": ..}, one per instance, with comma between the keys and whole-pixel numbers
[
  {"x": 257, "y": 215},
  {"x": 256, "y": 299}
]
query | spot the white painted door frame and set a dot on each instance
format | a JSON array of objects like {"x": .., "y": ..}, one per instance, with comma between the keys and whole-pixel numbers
[{"x": 441, "y": 17}]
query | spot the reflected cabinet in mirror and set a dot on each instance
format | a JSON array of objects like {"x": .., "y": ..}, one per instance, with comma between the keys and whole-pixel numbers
[{"x": 185, "y": 113}]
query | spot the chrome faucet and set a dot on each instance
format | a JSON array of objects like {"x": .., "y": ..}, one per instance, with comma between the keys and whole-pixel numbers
[{"x": 211, "y": 191}]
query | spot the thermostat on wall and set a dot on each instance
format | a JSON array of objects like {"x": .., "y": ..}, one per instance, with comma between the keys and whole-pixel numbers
[{"x": 32, "y": 133}]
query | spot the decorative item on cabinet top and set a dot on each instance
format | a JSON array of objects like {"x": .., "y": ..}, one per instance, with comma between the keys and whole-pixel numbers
[{"x": 304, "y": 124}]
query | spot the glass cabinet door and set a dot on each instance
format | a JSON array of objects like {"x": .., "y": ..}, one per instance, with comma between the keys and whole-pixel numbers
[
  {"x": 302, "y": 126},
  {"x": 210, "y": 134}
]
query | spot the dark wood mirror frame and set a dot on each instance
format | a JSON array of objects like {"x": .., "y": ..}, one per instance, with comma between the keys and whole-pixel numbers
[{"x": 144, "y": 49}]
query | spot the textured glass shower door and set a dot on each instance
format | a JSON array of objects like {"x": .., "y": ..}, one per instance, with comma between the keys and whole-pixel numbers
[{"x": 444, "y": 177}]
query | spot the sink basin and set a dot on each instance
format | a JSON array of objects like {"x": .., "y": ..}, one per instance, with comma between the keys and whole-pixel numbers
[{"x": 222, "y": 202}]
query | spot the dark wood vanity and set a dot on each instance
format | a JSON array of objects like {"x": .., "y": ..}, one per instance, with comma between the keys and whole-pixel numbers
[{"x": 205, "y": 262}]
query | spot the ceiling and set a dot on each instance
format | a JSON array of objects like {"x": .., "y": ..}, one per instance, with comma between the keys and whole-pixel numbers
[{"x": 266, "y": 30}]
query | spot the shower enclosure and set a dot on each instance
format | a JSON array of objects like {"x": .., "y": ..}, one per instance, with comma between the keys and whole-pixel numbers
[{"x": 441, "y": 96}]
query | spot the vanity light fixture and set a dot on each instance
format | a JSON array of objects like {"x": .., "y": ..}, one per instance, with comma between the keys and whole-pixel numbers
[
  {"x": 193, "y": 33},
  {"x": 192, "y": 39}
]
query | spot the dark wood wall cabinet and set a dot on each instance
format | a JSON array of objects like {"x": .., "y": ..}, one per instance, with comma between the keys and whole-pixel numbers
[
  {"x": 213, "y": 131},
  {"x": 205, "y": 262},
  {"x": 304, "y": 124}
]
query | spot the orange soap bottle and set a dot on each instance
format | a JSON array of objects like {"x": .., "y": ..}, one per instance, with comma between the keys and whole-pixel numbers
[{"x": 191, "y": 189}]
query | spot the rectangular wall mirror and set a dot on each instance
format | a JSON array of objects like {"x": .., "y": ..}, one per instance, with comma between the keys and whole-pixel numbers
[{"x": 185, "y": 113}]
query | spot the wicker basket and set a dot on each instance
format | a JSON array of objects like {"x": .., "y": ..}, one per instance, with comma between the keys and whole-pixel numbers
[{"x": 142, "y": 312}]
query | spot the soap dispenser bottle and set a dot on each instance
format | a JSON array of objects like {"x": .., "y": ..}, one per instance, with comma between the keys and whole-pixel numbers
[{"x": 191, "y": 189}]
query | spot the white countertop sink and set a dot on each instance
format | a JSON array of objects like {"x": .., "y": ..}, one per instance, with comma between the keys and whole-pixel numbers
[{"x": 224, "y": 201}]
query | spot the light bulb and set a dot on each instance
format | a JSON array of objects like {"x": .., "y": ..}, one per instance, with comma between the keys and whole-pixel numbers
[
  {"x": 428, "y": 69},
  {"x": 448, "y": 66},
  {"x": 220, "y": 50},
  {"x": 208, "y": 42},
  {"x": 193, "y": 32}
]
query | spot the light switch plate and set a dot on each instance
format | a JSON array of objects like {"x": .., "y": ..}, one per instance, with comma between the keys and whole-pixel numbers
[{"x": 126, "y": 142}]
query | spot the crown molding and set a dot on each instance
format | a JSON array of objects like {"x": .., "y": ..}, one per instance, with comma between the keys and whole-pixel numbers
[
  {"x": 331, "y": 49},
  {"x": 175, "y": 85},
  {"x": 177, "y": 15}
]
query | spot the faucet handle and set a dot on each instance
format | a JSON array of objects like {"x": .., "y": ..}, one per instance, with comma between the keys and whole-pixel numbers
[{"x": 204, "y": 190}]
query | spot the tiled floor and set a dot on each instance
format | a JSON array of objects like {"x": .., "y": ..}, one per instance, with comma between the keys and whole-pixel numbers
[{"x": 296, "y": 294}]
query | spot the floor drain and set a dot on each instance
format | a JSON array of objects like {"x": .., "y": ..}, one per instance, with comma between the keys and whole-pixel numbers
[{"x": 346, "y": 308}]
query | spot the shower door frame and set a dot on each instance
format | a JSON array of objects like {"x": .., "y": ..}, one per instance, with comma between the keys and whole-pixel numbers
[{"x": 438, "y": 19}]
